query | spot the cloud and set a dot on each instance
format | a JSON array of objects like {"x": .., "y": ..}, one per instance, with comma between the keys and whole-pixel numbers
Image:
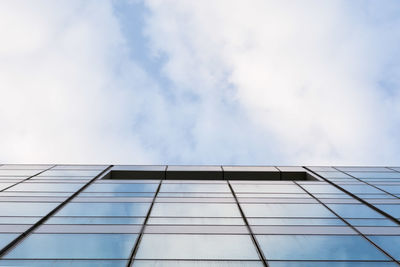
[
  {"x": 65, "y": 97},
  {"x": 206, "y": 82},
  {"x": 307, "y": 75}
]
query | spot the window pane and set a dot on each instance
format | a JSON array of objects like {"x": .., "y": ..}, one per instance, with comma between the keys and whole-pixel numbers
[
  {"x": 354, "y": 211},
  {"x": 164, "y": 246},
  {"x": 197, "y": 263},
  {"x": 195, "y": 210},
  {"x": 64, "y": 263},
  {"x": 95, "y": 220},
  {"x": 122, "y": 188},
  {"x": 286, "y": 210},
  {"x": 5, "y": 239},
  {"x": 289, "y": 221},
  {"x": 318, "y": 247},
  {"x": 390, "y": 244},
  {"x": 194, "y": 221},
  {"x": 25, "y": 209},
  {"x": 104, "y": 209},
  {"x": 78, "y": 246},
  {"x": 330, "y": 263},
  {"x": 393, "y": 210},
  {"x": 195, "y": 188},
  {"x": 266, "y": 188},
  {"x": 46, "y": 187}
]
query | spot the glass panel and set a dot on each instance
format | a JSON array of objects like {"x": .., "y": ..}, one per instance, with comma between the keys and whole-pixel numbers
[
  {"x": 196, "y": 221},
  {"x": 5, "y": 239},
  {"x": 393, "y": 189},
  {"x": 95, "y": 220},
  {"x": 195, "y": 210},
  {"x": 318, "y": 247},
  {"x": 19, "y": 220},
  {"x": 330, "y": 263},
  {"x": 286, "y": 210},
  {"x": 371, "y": 222},
  {"x": 357, "y": 189},
  {"x": 168, "y": 246},
  {"x": 266, "y": 188},
  {"x": 25, "y": 209},
  {"x": 78, "y": 246},
  {"x": 321, "y": 189},
  {"x": 104, "y": 209},
  {"x": 70, "y": 173},
  {"x": 375, "y": 174},
  {"x": 186, "y": 263},
  {"x": 195, "y": 188},
  {"x": 46, "y": 187},
  {"x": 393, "y": 210},
  {"x": 354, "y": 211},
  {"x": 64, "y": 263},
  {"x": 288, "y": 221},
  {"x": 390, "y": 244},
  {"x": 122, "y": 187}
]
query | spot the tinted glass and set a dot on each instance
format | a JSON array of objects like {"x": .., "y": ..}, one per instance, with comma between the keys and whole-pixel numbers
[
  {"x": 77, "y": 246},
  {"x": 25, "y": 209},
  {"x": 317, "y": 247},
  {"x": 354, "y": 211},
  {"x": 164, "y": 246},
  {"x": 195, "y": 210},
  {"x": 390, "y": 244},
  {"x": 122, "y": 188},
  {"x": 104, "y": 209},
  {"x": 286, "y": 210}
]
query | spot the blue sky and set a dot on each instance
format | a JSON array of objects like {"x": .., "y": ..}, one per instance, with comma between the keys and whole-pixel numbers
[{"x": 200, "y": 82}]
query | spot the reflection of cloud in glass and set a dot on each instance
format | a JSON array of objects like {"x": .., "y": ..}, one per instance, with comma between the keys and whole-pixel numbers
[
  {"x": 317, "y": 247},
  {"x": 167, "y": 246}
]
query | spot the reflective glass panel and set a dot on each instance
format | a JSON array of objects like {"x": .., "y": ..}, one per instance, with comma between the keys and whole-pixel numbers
[
  {"x": 390, "y": 244},
  {"x": 168, "y": 246},
  {"x": 121, "y": 187},
  {"x": 25, "y": 209},
  {"x": 195, "y": 188},
  {"x": 286, "y": 210},
  {"x": 104, "y": 209},
  {"x": 74, "y": 246},
  {"x": 354, "y": 211},
  {"x": 318, "y": 247},
  {"x": 195, "y": 210}
]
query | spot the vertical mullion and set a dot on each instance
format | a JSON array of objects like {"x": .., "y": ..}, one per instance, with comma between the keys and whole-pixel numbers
[
  {"x": 259, "y": 251},
  {"x": 139, "y": 238}
]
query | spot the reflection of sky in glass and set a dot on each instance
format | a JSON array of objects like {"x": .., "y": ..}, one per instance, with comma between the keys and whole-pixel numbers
[
  {"x": 321, "y": 189},
  {"x": 286, "y": 210},
  {"x": 393, "y": 210},
  {"x": 375, "y": 174},
  {"x": 195, "y": 188},
  {"x": 288, "y": 221},
  {"x": 55, "y": 187},
  {"x": 25, "y": 209},
  {"x": 122, "y": 188},
  {"x": 64, "y": 263},
  {"x": 195, "y": 210},
  {"x": 390, "y": 244},
  {"x": 6, "y": 238},
  {"x": 329, "y": 263},
  {"x": 104, "y": 209},
  {"x": 95, "y": 220},
  {"x": 266, "y": 188},
  {"x": 168, "y": 246},
  {"x": 354, "y": 211},
  {"x": 194, "y": 221},
  {"x": 318, "y": 247},
  {"x": 79, "y": 246},
  {"x": 186, "y": 263}
]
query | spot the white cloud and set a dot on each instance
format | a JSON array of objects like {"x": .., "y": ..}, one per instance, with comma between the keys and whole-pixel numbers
[
  {"x": 306, "y": 73},
  {"x": 262, "y": 83},
  {"x": 63, "y": 95}
]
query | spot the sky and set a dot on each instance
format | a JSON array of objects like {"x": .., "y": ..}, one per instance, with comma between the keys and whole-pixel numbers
[{"x": 200, "y": 82}]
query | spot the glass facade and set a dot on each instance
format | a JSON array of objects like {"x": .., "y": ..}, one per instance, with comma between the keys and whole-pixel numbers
[{"x": 84, "y": 215}]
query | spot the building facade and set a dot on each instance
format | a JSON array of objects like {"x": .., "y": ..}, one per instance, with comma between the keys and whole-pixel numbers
[{"x": 99, "y": 215}]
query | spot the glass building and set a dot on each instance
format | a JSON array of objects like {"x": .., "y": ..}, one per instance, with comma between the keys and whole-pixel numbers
[{"x": 92, "y": 215}]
